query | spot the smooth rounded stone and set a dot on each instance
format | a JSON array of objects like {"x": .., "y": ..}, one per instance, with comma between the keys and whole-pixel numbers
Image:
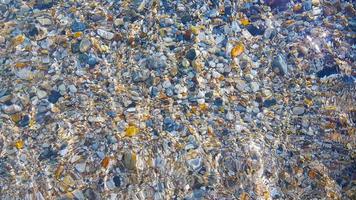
[
  {"x": 279, "y": 65},
  {"x": 307, "y": 5},
  {"x": 44, "y": 21},
  {"x": 47, "y": 153},
  {"x": 269, "y": 103},
  {"x": 80, "y": 167},
  {"x": 11, "y": 109},
  {"x": 25, "y": 121},
  {"x": 41, "y": 94},
  {"x": 105, "y": 34},
  {"x": 84, "y": 45},
  {"x": 191, "y": 54},
  {"x": 62, "y": 89},
  {"x": 129, "y": 160},
  {"x": 117, "y": 181},
  {"x": 72, "y": 88},
  {"x": 54, "y": 96},
  {"x": 78, "y": 26},
  {"x": 255, "y": 86},
  {"x": 298, "y": 110},
  {"x": 96, "y": 119}
]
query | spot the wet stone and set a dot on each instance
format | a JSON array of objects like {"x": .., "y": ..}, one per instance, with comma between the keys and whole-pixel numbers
[
  {"x": 78, "y": 26},
  {"x": 47, "y": 154},
  {"x": 255, "y": 30},
  {"x": 117, "y": 181},
  {"x": 43, "y": 4},
  {"x": 54, "y": 96},
  {"x": 84, "y": 45},
  {"x": 269, "y": 103},
  {"x": 191, "y": 54},
  {"x": 298, "y": 110},
  {"x": 279, "y": 65},
  {"x": 25, "y": 121}
]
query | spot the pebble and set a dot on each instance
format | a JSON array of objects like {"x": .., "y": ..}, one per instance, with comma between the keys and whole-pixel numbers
[
  {"x": 85, "y": 45},
  {"x": 80, "y": 167},
  {"x": 269, "y": 103},
  {"x": 191, "y": 54},
  {"x": 54, "y": 96},
  {"x": 105, "y": 34},
  {"x": 78, "y": 26},
  {"x": 279, "y": 65},
  {"x": 298, "y": 110},
  {"x": 255, "y": 86},
  {"x": 41, "y": 94},
  {"x": 72, "y": 88},
  {"x": 11, "y": 109}
]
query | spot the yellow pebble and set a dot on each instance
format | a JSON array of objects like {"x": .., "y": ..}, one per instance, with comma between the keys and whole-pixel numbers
[
  {"x": 131, "y": 131},
  {"x": 203, "y": 107},
  {"x": 297, "y": 7},
  {"x": 237, "y": 50},
  {"x": 244, "y": 21},
  {"x": 195, "y": 30},
  {"x": 77, "y": 34},
  {"x": 308, "y": 102},
  {"x": 18, "y": 40},
  {"x": 20, "y": 65},
  {"x": 16, "y": 117},
  {"x": 19, "y": 144}
]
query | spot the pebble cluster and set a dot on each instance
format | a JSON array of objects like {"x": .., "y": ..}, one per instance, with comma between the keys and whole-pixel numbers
[{"x": 177, "y": 99}]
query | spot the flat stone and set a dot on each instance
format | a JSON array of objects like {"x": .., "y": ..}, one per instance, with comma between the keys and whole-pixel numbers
[
  {"x": 80, "y": 167},
  {"x": 41, "y": 94},
  {"x": 105, "y": 34},
  {"x": 298, "y": 110},
  {"x": 84, "y": 45},
  {"x": 11, "y": 109}
]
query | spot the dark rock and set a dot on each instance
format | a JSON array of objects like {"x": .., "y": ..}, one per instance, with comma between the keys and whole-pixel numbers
[
  {"x": 43, "y": 4},
  {"x": 25, "y": 121},
  {"x": 48, "y": 153},
  {"x": 75, "y": 47},
  {"x": 269, "y": 102},
  {"x": 54, "y": 96},
  {"x": 186, "y": 19},
  {"x": 327, "y": 71},
  {"x": 255, "y": 30},
  {"x": 218, "y": 102},
  {"x": 78, "y": 26},
  {"x": 33, "y": 31},
  {"x": 191, "y": 54},
  {"x": 83, "y": 59},
  {"x": 92, "y": 61}
]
